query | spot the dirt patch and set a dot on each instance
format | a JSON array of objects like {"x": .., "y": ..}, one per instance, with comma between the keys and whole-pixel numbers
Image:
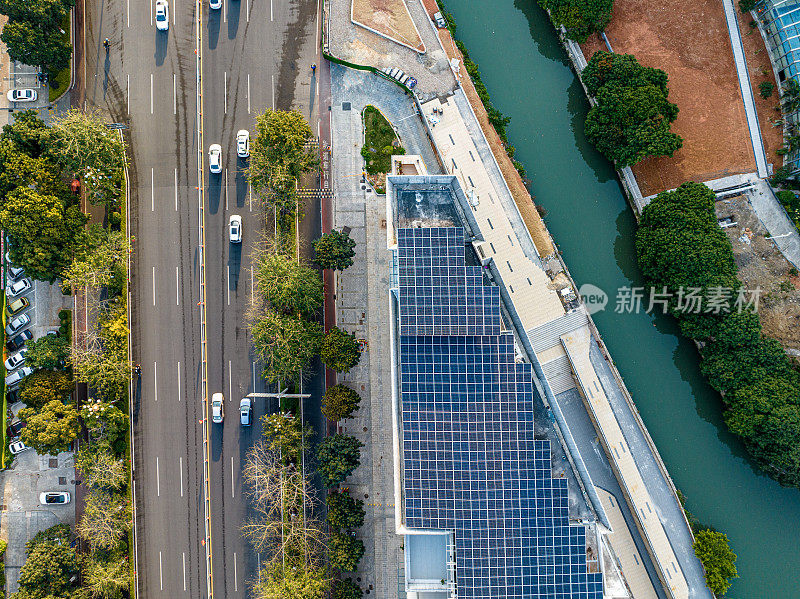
[
  {"x": 390, "y": 18},
  {"x": 688, "y": 40},
  {"x": 761, "y": 265}
]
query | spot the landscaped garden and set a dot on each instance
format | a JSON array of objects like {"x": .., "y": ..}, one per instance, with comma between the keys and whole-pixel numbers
[{"x": 380, "y": 143}]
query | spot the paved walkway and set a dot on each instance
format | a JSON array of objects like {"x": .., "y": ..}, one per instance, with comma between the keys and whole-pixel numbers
[{"x": 746, "y": 88}]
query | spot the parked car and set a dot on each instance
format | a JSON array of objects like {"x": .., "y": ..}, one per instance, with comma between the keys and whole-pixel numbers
[
  {"x": 18, "y": 288},
  {"x": 215, "y": 158},
  {"x": 22, "y": 95},
  {"x": 16, "y": 360},
  {"x": 17, "y": 324},
  {"x": 54, "y": 498},
  {"x": 440, "y": 21},
  {"x": 15, "y": 343},
  {"x": 12, "y": 397},
  {"x": 243, "y": 143},
  {"x": 246, "y": 411},
  {"x": 15, "y": 272},
  {"x": 15, "y": 428},
  {"x": 17, "y": 447},
  {"x": 162, "y": 15},
  {"x": 217, "y": 408},
  {"x": 400, "y": 76},
  {"x": 17, "y": 306},
  {"x": 16, "y": 377},
  {"x": 235, "y": 229}
]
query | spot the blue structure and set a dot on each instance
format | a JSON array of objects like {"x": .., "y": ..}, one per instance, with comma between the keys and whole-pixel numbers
[{"x": 471, "y": 464}]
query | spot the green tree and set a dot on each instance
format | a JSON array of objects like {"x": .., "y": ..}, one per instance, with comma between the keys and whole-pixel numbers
[
  {"x": 105, "y": 422},
  {"x": 347, "y": 589},
  {"x": 285, "y": 433},
  {"x": 17, "y": 169},
  {"x": 285, "y": 345},
  {"x": 719, "y": 562},
  {"x": 52, "y": 429},
  {"x": 106, "y": 520},
  {"x": 339, "y": 350},
  {"x": 340, "y": 402},
  {"x": 106, "y": 579},
  {"x": 44, "y": 386},
  {"x": 32, "y": 44},
  {"x": 345, "y": 551},
  {"x": 59, "y": 533},
  {"x": 43, "y": 232},
  {"x": 100, "y": 468},
  {"x": 48, "y": 352},
  {"x": 51, "y": 568},
  {"x": 97, "y": 265},
  {"x": 632, "y": 117},
  {"x": 580, "y": 18},
  {"x": 345, "y": 511},
  {"x": 28, "y": 132},
  {"x": 765, "y": 88},
  {"x": 287, "y": 285},
  {"x": 338, "y": 456},
  {"x": 47, "y": 14},
  {"x": 335, "y": 250},
  {"x": 292, "y": 581}
]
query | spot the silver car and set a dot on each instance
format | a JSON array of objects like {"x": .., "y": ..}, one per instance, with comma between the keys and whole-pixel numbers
[
  {"x": 17, "y": 324},
  {"x": 16, "y": 360},
  {"x": 246, "y": 411},
  {"x": 20, "y": 287},
  {"x": 16, "y": 377}
]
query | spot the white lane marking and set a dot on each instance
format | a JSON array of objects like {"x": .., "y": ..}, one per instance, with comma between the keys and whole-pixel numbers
[
  {"x": 235, "y": 576},
  {"x": 155, "y": 381},
  {"x": 151, "y": 24},
  {"x": 180, "y": 471},
  {"x": 248, "y": 83},
  {"x": 177, "y": 290},
  {"x": 158, "y": 479},
  {"x": 160, "y": 572},
  {"x": 174, "y": 92},
  {"x": 128, "y": 11},
  {"x": 229, "y": 285},
  {"x": 230, "y": 384},
  {"x": 154, "y": 285},
  {"x": 226, "y": 189},
  {"x": 233, "y": 493},
  {"x": 271, "y": 16},
  {"x": 273, "y": 91},
  {"x": 248, "y": 11},
  {"x": 184, "y": 570},
  {"x": 179, "y": 385},
  {"x": 254, "y": 377},
  {"x": 151, "y": 93},
  {"x": 225, "y": 12},
  {"x": 250, "y": 195},
  {"x": 317, "y": 46},
  {"x": 176, "y": 189},
  {"x": 225, "y": 96},
  {"x": 152, "y": 190},
  {"x": 128, "y": 91},
  {"x": 259, "y": 565}
]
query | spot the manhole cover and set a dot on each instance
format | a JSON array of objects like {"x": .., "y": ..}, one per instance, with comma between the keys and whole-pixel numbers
[
  {"x": 53, "y": 462},
  {"x": 346, "y": 106},
  {"x": 62, "y": 480}
]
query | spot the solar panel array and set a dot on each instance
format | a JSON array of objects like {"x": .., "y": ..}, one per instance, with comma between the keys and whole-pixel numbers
[{"x": 471, "y": 462}]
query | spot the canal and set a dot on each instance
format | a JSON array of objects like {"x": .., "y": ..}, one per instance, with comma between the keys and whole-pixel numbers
[{"x": 529, "y": 79}]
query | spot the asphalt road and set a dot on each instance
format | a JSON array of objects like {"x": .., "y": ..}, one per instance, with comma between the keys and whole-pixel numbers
[{"x": 256, "y": 55}]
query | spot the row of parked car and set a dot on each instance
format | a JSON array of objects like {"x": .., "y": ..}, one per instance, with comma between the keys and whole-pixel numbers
[{"x": 17, "y": 331}]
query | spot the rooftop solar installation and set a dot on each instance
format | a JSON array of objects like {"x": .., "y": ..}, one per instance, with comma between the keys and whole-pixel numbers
[{"x": 471, "y": 462}]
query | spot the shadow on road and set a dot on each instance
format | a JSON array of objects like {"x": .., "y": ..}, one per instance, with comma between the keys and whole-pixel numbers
[
  {"x": 214, "y": 17},
  {"x": 234, "y": 265},
  {"x": 312, "y": 93},
  {"x": 234, "y": 8},
  {"x": 162, "y": 37},
  {"x": 241, "y": 181},
  {"x": 214, "y": 192}
]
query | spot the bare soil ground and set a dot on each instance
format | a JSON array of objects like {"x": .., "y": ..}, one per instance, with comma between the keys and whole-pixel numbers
[
  {"x": 761, "y": 265},
  {"x": 389, "y": 17},
  {"x": 688, "y": 40}
]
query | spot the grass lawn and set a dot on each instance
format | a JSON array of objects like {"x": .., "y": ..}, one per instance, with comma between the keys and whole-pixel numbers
[
  {"x": 60, "y": 81},
  {"x": 380, "y": 142}
]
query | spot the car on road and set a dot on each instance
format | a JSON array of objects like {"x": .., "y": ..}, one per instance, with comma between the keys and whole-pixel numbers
[
  {"x": 162, "y": 15},
  {"x": 246, "y": 411},
  {"x": 22, "y": 95},
  {"x": 15, "y": 343},
  {"x": 18, "y": 288},
  {"x": 243, "y": 143},
  {"x": 215, "y": 4},
  {"x": 17, "y": 447},
  {"x": 15, "y": 272},
  {"x": 17, "y": 306},
  {"x": 17, "y": 324},
  {"x": 54, "y": 498},
  {"x": 217, "y": 408},
  {"x": 16, "y": 360},
  {"x": 16, "y": 377},
  {"x": 215, "y": 158},
  {"x": 235, "y": 228}
]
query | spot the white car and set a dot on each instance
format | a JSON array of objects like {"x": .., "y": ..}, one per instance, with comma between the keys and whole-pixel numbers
[
  {"x": 17, "y": 447},
  {"x": 54, "y": 498},
  {"x": 16, "y": 360},
  {"x": 215, "y": 4},
  {"x": 235, "y": 228},
  {"x": 22, "y": 95},
  {"x": 16, "y": 377},
  {"x": 245, "y": 411},
  {"x": 217, "y": 408},
  {"x": 162, "y": 15},
  {"x": 19, "y": 287},
  {"x": 17, "y": 324},
  {"x": 215, "y": 158},
  {"x": 243, "y": 143}
]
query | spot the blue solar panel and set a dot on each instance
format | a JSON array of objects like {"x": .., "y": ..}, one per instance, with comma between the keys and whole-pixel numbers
[{"x": 471, "y": 462}]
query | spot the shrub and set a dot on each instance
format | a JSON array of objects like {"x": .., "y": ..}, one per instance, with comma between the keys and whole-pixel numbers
[
  {"x": 345, "y": 511},
  {"x": 345, "y": 551},
  {"x": 719, "y": 562},
  {"x": 335, "y": 250},
  {"x": 340, "y": 350},
  {"x": 340, "y": 402},
  {"x": 765, "y": 88},
  {"x": 338, "y": 456}
]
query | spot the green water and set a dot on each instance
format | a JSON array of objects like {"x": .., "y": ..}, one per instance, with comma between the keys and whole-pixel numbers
[{"x": 528, "y": 76}]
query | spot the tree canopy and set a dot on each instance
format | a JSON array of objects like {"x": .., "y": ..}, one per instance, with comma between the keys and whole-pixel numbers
[
  {"x": 339, "y": 350},
  {"x": 347, "y": 589},
  {"x": 294, "y": 581},
  {"x": 580, "y": 18},
  {"x": 339, "y": 402},
  {"x": 106, "y": 519},
  {"x": 28, "y": 132},
  {"x": 719, "y": 562},
  {"x": 345, "y": 551},
  {"x": 51, "y": 429},
  {"x": 287, "y": 285},
  {"x": 47, "y": 352},
  {"x": 96, "y": 266},
  {"x": 51, "y": 568},
  {"x": 31, "y": 43},
  {"x": 285, "y": 434},
  {"x": 335, "y": 250},
  {"x": 632, "y": 117},
  {"x": 345, "y": 511},
  {"x": 285, "y": 345},
  {"x": 338, "y": 456},
  {"x": 44, "y": 386},
  {"x": 100, "y": 468}
]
